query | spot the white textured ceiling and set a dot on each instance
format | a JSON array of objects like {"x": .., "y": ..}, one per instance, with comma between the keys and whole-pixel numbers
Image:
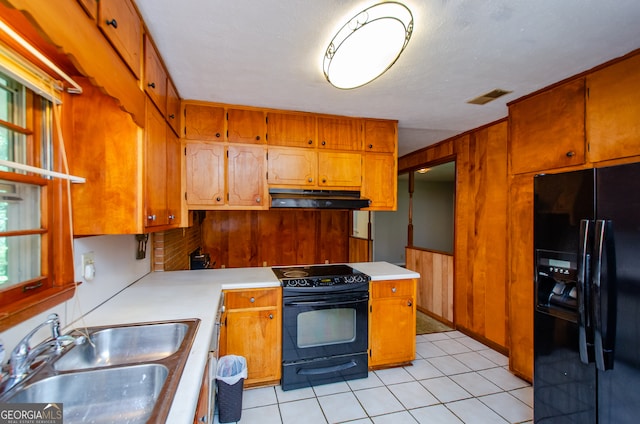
[{"x": 269, "y": 53}]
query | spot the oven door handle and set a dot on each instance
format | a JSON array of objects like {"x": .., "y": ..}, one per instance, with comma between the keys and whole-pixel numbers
[
  {"x": 328, "y": 370},
  {"x": 326, "y": 302}
]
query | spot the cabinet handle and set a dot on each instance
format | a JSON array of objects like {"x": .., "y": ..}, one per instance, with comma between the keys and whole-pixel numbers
[
  {"x": 324, "y": 142},
  {"x": 258, "y": 199},
  {"x": 409, "y": 303},
  {"x": 371, "y": 146},
  {"x": 151, "y": 217},
  {"x": 270, "y": 316},
  {"x": 113, "y": 23},
  {"x": 172, "y": 116},
  {"x": 152, "y": 85},
  {"x": 258, "y": 137},
  {"x": 324, "y": 180},
  {"x": 218, "y": 199},
  {"x": 218, "y": 135},
  {"x": 172, "y": 217},
  {"x": 310, "y": 142},
  {"x": 571, "y": 154},
  {"x": 203, "y": 419},
  {"x": 253, "y": 299},
  {"x": 393, "y": 290},
  {"x": 310, "y": 180}
]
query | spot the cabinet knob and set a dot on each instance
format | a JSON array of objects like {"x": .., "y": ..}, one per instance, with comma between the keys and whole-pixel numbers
[
  {"x": 203, "y": 419},
  {"x": 252, "y": 300},
  {"x": 270, "y": 316},
  {"x": 324, "y": 180},
  {"x": 324, "y": 142},
  {"x": 172, "y": 116},
  {"x": 112, "y": 23},
  {"x": 151, "y": 217},
  {"x": 310, "y": 180},
  {"x": 172, "y": 217},
  {"x": 258, "y": 199},
  {"x": 409, "y": 303},
  {"x": 218, "y": 199},
  {"x": 218, "y": 135},
  {"x": 152, "y": 85},
  {"x": 571, "y": 154},
  {"x": 371, "y": 146},
  {"x": 310, "y": 142},
  {"x": 393, "y": 290},
  {"x": 258, "y": 137}
]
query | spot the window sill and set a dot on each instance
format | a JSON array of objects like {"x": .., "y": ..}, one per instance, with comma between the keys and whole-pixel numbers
[{"x": 18, "y": 312}]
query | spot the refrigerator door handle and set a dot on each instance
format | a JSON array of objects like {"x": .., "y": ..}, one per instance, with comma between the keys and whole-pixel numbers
[
  {"x": 604, "y": 295},
  {"x": 585, "y": 340}
]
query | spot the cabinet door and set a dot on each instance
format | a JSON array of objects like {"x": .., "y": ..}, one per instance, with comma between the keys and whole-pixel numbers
[
  {"x": 380, "y": 136},
  {"x": 173, "y": 107},
  {"x": 379, "y": 180},
  {"x": 155, "y": 77},
  {"x": 253, "y": 333},
  {"x": 288, "y": 129},
  {"x": 613, "y": 111},
  {"x": 392, "y": 324},
  {"x": 120, "y": 23},
  {"x": 203, "y": 122},
  {"x": 205, "y": 166},
  {"x": 340, "y": 133},
  {"x": 291, "y": 166},
  {"x": 246, "y": 126},
  {"x": 246, "y": 176},
  {"x": 547, "y": 130},
  {"x": 156, "y": 168},
  {"x": 337, "y": 169},
  {"x": 174, "y": 186}
]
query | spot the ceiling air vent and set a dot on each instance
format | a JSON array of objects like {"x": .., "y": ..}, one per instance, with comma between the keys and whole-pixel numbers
[{"x": 487, "y": 97}]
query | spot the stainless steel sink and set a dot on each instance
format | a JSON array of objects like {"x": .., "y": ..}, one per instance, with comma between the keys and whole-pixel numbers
[
  {"x": 116, "y": 395},
  {"x": 126, "y": 373},
  {"x": 121, "y": 345}
]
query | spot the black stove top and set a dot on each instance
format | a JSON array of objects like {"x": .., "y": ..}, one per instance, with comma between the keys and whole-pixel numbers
[{"x": 318, "y": 275}]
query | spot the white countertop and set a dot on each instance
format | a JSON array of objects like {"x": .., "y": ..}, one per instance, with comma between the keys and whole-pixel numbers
[{"x": 173, "y": 295}]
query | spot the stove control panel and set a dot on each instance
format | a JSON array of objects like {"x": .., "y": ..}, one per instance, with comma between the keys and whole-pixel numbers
[{"x": 325, "y": 281}]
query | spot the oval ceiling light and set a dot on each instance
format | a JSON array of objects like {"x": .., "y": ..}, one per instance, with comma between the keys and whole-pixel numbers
[{"x": 367, "y": 45}]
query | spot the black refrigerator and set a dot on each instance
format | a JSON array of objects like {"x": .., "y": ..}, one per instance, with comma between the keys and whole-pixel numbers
[{"x": 587, "y": 296}]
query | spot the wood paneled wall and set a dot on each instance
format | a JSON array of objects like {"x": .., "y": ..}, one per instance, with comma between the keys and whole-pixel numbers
[
  {"x": 359, "y": 249},
  {"x": 275, "y": 237},
  {"x": 435, "y": 285}
]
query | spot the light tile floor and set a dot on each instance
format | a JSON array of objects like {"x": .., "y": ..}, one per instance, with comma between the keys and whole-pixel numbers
[{"x": 454, "y": 379}]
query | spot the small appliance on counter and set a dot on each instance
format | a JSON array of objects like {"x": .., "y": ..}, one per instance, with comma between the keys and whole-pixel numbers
[{"x": 199, "y": 260}]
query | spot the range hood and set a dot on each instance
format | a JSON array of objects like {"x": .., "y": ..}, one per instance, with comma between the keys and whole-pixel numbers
[{"x": 317, "y": 199}]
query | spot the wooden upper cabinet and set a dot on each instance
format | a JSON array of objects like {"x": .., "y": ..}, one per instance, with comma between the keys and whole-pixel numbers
[
  {"x": 203, "y": 122},
  {"x": 91, "y": 7},
  {"x": 173, "y": 107},
  {"x": 174, "y": 177},
  {"x": 613, "y": 111},
  {"x": 380, "y": 136},
  {"x": 379, "y": 181},
  {"x": 339, "y": 133},
  {"x": 155, "y": 77},
  {"x": 246, "y": 176},
  {"x": 205, "y": 171},
  {"x": 156, "y": 168},
  {"x": 246, "y": 126},
  {"x": 338, "y": 169},
  {"x": 119, "y": 21},
  {"x": 292, "y": 166},
  {"x": 547, "y": 129},
  {"x": 289, "y": 129}
]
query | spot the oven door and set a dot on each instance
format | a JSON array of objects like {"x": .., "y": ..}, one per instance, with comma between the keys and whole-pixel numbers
[{"x": 322, "y": 325}]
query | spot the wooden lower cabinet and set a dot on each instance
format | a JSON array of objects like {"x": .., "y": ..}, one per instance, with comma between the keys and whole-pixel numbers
[
  {"x": 252, "y": 328},
  {"x": 202, "y": 407},
  {"x": 392, "y": 322}
]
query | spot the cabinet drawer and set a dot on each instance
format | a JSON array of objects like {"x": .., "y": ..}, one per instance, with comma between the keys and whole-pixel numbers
[
  {"x": 120, "y": 23},
  {"x": 392, "y": 288},
  {"x": 250, "y": 298}
]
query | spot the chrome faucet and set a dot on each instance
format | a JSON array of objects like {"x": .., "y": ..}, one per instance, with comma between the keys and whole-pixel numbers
[{"x": 23, "y": 355}]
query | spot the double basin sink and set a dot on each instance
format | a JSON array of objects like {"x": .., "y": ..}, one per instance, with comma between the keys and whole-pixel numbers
[{"x": 125, "y": 373}]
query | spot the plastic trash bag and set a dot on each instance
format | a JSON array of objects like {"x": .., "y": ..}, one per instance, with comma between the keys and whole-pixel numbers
[{"x": 231, "y": 368}]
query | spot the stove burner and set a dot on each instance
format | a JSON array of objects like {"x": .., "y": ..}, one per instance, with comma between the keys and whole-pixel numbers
[{"x": 295, "y": 274}]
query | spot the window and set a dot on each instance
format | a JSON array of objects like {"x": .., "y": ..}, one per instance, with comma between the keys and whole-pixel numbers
[{"x": 28, "y": 228}]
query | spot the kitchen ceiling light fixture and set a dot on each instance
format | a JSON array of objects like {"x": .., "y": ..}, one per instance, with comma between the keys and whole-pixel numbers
[{"x": 367, "y": 45}]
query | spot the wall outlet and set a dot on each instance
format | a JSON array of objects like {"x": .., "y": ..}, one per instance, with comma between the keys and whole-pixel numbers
[{"x": 88, "y": 266}]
